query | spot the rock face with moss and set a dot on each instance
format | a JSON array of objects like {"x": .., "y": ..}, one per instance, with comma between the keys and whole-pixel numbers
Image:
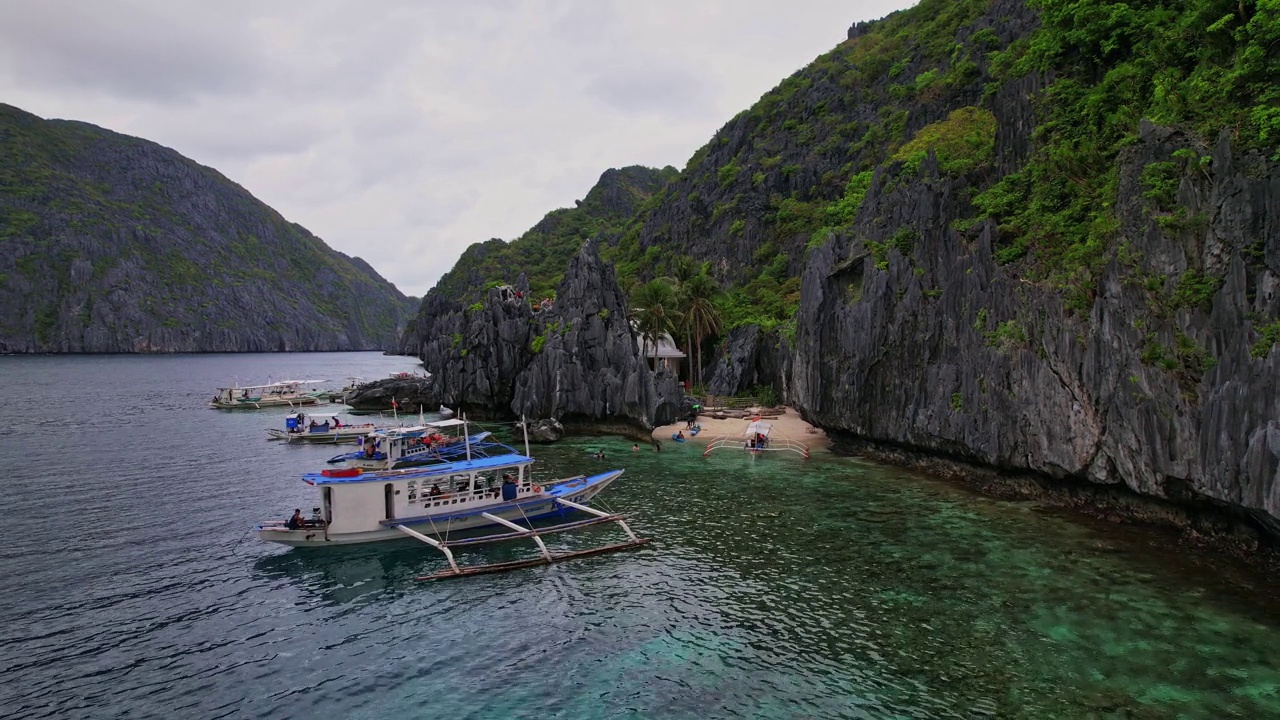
[
  {"x": 979, "y": 249},
  {"x": 116, "y": 244}
]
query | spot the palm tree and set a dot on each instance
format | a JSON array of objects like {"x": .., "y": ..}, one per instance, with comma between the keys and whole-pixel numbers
[
  {"x": 701, "y": 316},
  {"x": 655, "y": 309}
]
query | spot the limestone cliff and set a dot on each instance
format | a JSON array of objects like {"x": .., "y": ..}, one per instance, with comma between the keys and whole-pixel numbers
[
  {"x": 116, "y": 244},
  {"x": 576, "y": 361},
  {"x": 993, "y": 258},
  {"x": 1036, "y": 237}
]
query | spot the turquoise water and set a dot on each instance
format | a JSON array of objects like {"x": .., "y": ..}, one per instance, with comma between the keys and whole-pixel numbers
[{"x": 774, "y": 588}]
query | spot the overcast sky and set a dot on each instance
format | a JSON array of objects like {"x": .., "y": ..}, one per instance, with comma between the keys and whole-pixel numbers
[{"x": 403, "y": 131}]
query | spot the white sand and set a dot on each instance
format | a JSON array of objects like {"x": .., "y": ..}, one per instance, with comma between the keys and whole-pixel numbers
[{"x": 789, "y": 424}]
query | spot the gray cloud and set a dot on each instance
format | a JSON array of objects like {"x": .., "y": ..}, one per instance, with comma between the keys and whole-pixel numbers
[
  {"x": 404, "y": 131},
  {"x": 136, "y": 50}
]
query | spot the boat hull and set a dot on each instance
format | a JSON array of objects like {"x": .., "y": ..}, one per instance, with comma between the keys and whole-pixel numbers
[
  {"x": 264, "y": 403},
  {"x": 527, "y": 508},
  {"x": 333, "y": 437}
]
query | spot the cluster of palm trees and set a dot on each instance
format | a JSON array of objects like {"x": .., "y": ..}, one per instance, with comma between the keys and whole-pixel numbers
[{"x": 682, "y": 304}]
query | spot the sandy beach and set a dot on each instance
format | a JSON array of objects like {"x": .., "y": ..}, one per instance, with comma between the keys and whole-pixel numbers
[{"x": 789, "y": 424}]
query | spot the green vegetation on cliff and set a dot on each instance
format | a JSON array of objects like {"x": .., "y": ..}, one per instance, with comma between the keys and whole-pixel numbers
[
  {"x": 116, "y": 244},
  {"x": 1208, "y": 66},
  {"x": 543, "y": 253}
]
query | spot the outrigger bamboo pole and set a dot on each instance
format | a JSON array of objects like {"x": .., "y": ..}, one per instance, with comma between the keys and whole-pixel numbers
[
  {"x": 598, "y": 513},
  {"x": 542, "y": 547},
  {"x": 433, "y": 543}
]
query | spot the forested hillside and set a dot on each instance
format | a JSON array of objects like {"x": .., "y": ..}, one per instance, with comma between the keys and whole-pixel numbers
[{"x": 116, "y": 244}]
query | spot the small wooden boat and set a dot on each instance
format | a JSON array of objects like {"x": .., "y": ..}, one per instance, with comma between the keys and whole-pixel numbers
[
  {"x": 285, "y": 393},
  {"x": 298, "y": 427},
  {"x": 434, "y": 504},
  {"x": 757, "y": 438}
]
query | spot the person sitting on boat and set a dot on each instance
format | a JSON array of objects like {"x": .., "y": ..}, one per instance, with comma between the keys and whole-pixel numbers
[
  {"x": 297, "y": 521},
  {"x": 680, "y": 435},
  {"x": 245, "y": 395},
  {"x": 435, "y": 491}
]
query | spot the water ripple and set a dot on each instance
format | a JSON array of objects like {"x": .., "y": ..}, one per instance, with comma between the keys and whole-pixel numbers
[{"x": 833, "y": 588}]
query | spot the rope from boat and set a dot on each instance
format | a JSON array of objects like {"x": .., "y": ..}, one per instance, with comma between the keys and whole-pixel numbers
[
  {"x": 235, "y": 549},
  {"x": 527, "y": 521}
]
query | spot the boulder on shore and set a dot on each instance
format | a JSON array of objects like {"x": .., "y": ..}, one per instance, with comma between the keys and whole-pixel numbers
[
  {"x": 548, "y": 430},
  {"x": 410, "y": 395}
]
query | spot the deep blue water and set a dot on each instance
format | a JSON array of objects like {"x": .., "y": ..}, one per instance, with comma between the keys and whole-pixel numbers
[{"x": 773, "y": 588}]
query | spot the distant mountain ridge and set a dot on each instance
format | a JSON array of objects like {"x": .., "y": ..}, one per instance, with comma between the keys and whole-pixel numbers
[{"x": 113, "y": 243}]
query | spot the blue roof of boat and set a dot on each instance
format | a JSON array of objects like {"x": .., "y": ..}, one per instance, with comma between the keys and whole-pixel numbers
[{"x": 480, "y": 463}]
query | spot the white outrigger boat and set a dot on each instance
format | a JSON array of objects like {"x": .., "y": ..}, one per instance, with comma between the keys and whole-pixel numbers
[
  {"x": 288, "y": 393},
  {"x": 299, "y": 428},
  {"x": 427, "y": 443},
  {"x": 430, "y": 503},
  {"x": 758, "y": 437}
]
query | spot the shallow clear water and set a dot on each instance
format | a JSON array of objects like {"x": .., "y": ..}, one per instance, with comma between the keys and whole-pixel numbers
[{"x": 774, "y": 587}]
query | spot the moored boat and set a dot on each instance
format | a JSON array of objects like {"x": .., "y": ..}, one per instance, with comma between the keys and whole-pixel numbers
[
  {"x": 431, "y": 503},
  {"x": 285, "y": 393},
  {"x": 758, "y": 437},
  {"x": 427, "y": 443},
  {"x": 298, "y": 427}
]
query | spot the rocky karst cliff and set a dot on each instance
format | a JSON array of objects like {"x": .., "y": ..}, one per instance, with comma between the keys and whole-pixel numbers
[
  {"x": 1160, "y": 386},
  {"x": 576, "y": 361},
  {"x": 1038, "y": 238},
  {"x": 116, "y": 244}
]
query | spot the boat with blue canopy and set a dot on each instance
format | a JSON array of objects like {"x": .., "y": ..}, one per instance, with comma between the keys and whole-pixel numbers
[
  {"x": 427, "y": 443},
  {"x": 327, "y": 429},
  {"x": 433, "y": 504}
]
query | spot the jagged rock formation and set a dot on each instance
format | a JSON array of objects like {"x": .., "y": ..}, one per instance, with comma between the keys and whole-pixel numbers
[
  {"x": 576, "y": 362},
  {"x": 751, "y": 358},
  {"x": 589, "y": 367},
  {"x": 116, "y": 244}
]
